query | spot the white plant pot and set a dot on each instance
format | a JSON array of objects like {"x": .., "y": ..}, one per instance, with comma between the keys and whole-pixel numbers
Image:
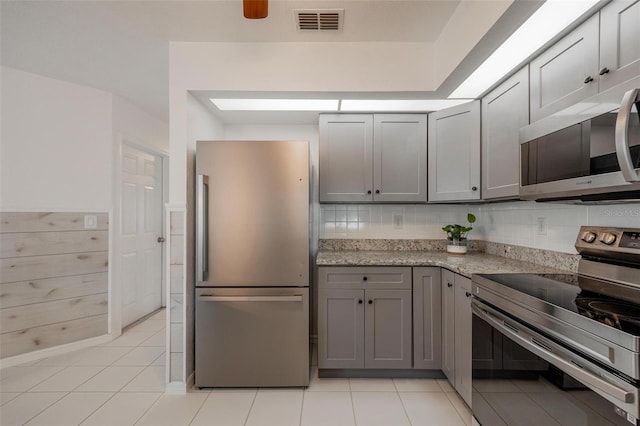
[{"x": 457, "y": 247}]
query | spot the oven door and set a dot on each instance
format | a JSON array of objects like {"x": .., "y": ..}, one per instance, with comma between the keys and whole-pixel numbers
[{"x": 521, "y": 377}]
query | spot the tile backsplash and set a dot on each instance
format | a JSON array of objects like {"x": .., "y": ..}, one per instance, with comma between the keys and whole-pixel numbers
[{"x": 524, "y": 223}]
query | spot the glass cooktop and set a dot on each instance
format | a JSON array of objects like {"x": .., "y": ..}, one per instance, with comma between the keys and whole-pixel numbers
[{"x": 589, "y": 297}]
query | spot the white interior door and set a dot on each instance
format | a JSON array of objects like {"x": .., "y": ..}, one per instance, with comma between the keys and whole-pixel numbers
[{"x": 141, "y": 228}]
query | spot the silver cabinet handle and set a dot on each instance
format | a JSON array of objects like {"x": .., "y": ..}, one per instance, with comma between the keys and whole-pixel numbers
[
  {"x": 202, "y": 228},
  {"x": 205, "y": 298},
  {"x": 529, "y": 340},
  {"x": 622, "y": 136}
]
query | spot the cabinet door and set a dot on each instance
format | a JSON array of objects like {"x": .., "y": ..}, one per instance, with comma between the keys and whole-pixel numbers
[
  {"x": 504, "y": 111},
  {"x": 448, "y": 326},
  {"x": 427, "y": 318},
  {"x": 387, "y": 329},
  {"x": 340, "y": 328},
  {"x": 463, "y": 337},
  {"x": 454, "y": 153},
  {"x": 346, "y": 157},
  {"x": 400, "y": 157},
  {"x": 619, "y": 42},
  {"x": 567, "y": 72}
]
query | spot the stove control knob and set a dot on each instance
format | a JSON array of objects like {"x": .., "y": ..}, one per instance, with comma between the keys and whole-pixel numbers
[
  {"x": 588, "y": 236},
  {"x": 607, "y": 238}
]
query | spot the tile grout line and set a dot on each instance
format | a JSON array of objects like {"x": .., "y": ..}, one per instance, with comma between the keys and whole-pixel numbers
[
  {"x": 97, "y": 408},
  {"x": 200, "y": 407},
  {"x": 404, "y": 408},
  {"x": 255, "y": 395}
]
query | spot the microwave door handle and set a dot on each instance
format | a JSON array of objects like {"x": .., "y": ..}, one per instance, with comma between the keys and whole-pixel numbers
[
  {"x": 622, "y": 136},
  {"x": 202, "y": 228}
]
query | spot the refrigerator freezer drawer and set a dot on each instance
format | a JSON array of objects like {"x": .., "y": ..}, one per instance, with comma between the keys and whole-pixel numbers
[{"x": 252, "y": 337}]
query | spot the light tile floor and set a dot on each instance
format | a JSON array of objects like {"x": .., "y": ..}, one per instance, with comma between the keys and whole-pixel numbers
[{"x": 121, "y": 383}]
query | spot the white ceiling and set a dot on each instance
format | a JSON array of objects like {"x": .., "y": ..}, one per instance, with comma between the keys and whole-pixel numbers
[{"x": 122, "y": 46}]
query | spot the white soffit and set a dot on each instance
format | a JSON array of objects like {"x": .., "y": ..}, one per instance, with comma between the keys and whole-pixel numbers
[{"x": 547, "y": 22}]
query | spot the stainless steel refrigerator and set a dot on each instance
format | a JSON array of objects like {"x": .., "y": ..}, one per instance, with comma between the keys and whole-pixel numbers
[{"x": 252, "y": 264}]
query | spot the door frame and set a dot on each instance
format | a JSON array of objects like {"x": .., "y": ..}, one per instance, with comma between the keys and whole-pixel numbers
[{"x": 115, "y": 279}]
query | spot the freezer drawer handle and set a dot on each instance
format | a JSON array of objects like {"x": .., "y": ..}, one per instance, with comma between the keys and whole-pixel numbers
[{"x": 250, "y": 298}]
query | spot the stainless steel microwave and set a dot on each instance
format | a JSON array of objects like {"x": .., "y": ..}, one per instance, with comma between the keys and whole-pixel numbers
[{"x": 589, "y": 152}]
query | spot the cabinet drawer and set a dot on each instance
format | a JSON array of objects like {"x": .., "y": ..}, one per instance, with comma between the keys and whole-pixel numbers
[{"x": 364, "y": 277}]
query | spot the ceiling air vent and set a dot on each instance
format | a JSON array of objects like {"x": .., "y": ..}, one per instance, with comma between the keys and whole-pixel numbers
[{"x": 318, "y": 19}]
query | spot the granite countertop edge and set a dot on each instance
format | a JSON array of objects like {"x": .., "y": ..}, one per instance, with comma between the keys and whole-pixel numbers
[{"x": 466, "y": 265}]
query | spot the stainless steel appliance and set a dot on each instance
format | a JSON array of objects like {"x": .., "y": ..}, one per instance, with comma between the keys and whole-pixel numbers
[
  {"x": 561, "y": 349},
  {"x": 590, "y": 151},
  {"x": 252, "y": 264}
]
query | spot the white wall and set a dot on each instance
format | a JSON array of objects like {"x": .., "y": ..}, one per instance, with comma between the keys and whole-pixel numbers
[
  {"x": 56, "y": 144},
  {"x": 59, "y": 148},
  {"x": 136, "y": 125}
]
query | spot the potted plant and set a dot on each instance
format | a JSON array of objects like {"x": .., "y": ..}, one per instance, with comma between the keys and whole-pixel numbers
[{"x": 457, "y": 235}]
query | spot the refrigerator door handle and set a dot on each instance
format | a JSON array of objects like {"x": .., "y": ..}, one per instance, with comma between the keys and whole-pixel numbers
[
  {"x": 202, "y": 228},
  {"x": 205, "y": 298}
]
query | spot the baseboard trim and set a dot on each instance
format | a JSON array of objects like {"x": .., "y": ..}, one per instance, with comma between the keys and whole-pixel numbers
[
  {"x": 54, "y": 351},
  {"x": 176, "y": 388}
]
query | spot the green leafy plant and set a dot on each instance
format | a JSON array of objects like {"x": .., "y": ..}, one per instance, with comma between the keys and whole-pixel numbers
[{"x": 459, "y": 232}]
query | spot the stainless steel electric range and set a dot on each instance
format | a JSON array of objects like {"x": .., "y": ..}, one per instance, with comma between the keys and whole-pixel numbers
[{"x": 561, "y": 349}]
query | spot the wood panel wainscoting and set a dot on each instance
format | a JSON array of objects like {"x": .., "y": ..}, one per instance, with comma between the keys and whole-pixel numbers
[{"x": 53, "y": 279}]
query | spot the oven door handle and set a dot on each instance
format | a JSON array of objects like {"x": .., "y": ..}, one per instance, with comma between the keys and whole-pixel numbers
[{"x": 533, "y": 343}]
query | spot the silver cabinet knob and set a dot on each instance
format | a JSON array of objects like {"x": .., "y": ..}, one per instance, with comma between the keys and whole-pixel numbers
[
  {"x": 608, "y": 238},
  {"x": 588, "y": 236}
]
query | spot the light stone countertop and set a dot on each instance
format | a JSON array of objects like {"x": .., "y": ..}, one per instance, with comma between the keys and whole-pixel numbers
[{"x": 471, "y": 263}]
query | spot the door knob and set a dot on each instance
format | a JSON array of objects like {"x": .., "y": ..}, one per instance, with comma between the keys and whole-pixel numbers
[
  {"x": 371, "y": 302},
  {"x": 161, "y": 239}
]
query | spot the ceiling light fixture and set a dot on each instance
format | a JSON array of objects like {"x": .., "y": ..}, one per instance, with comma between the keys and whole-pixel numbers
[
  {"x": 549, "y": 20},
  {"x": 276, "y": 104},
  {"x": 395, "y": 105}
]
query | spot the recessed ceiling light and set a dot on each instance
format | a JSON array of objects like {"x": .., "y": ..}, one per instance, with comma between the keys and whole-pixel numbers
[
  {"x": 392, "y": 105},
  {"x": 276, "y": 104},
  {"x": 549, "y": 20}
]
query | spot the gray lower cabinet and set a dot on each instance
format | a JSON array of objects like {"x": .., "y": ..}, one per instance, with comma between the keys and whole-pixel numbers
[
  {"x": 364, "y": 317},
  {"x": 427, "y": 318},
  {"x": 340, "y": 328},
  {"x": 462, "y": 337},
  {"x": 454, "y": 153},
  {"x": 456, "y": 330},
  {"x": 448, "y": 325},
  {"x": 504, "y": 111}
]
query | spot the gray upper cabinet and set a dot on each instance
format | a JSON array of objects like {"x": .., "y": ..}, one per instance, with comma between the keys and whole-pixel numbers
[
  {"x": 346, "y": 157},
  {"x": 400, "y": 157},
  {"x": 619, "y": 42},
  {"x": 504, "y": 111},
  {"x": 454, "y": 153},
  {"x": 380, "y": 158},
  {"x": 567, "y": 72},
  {"x": 427, "y": 318}
]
